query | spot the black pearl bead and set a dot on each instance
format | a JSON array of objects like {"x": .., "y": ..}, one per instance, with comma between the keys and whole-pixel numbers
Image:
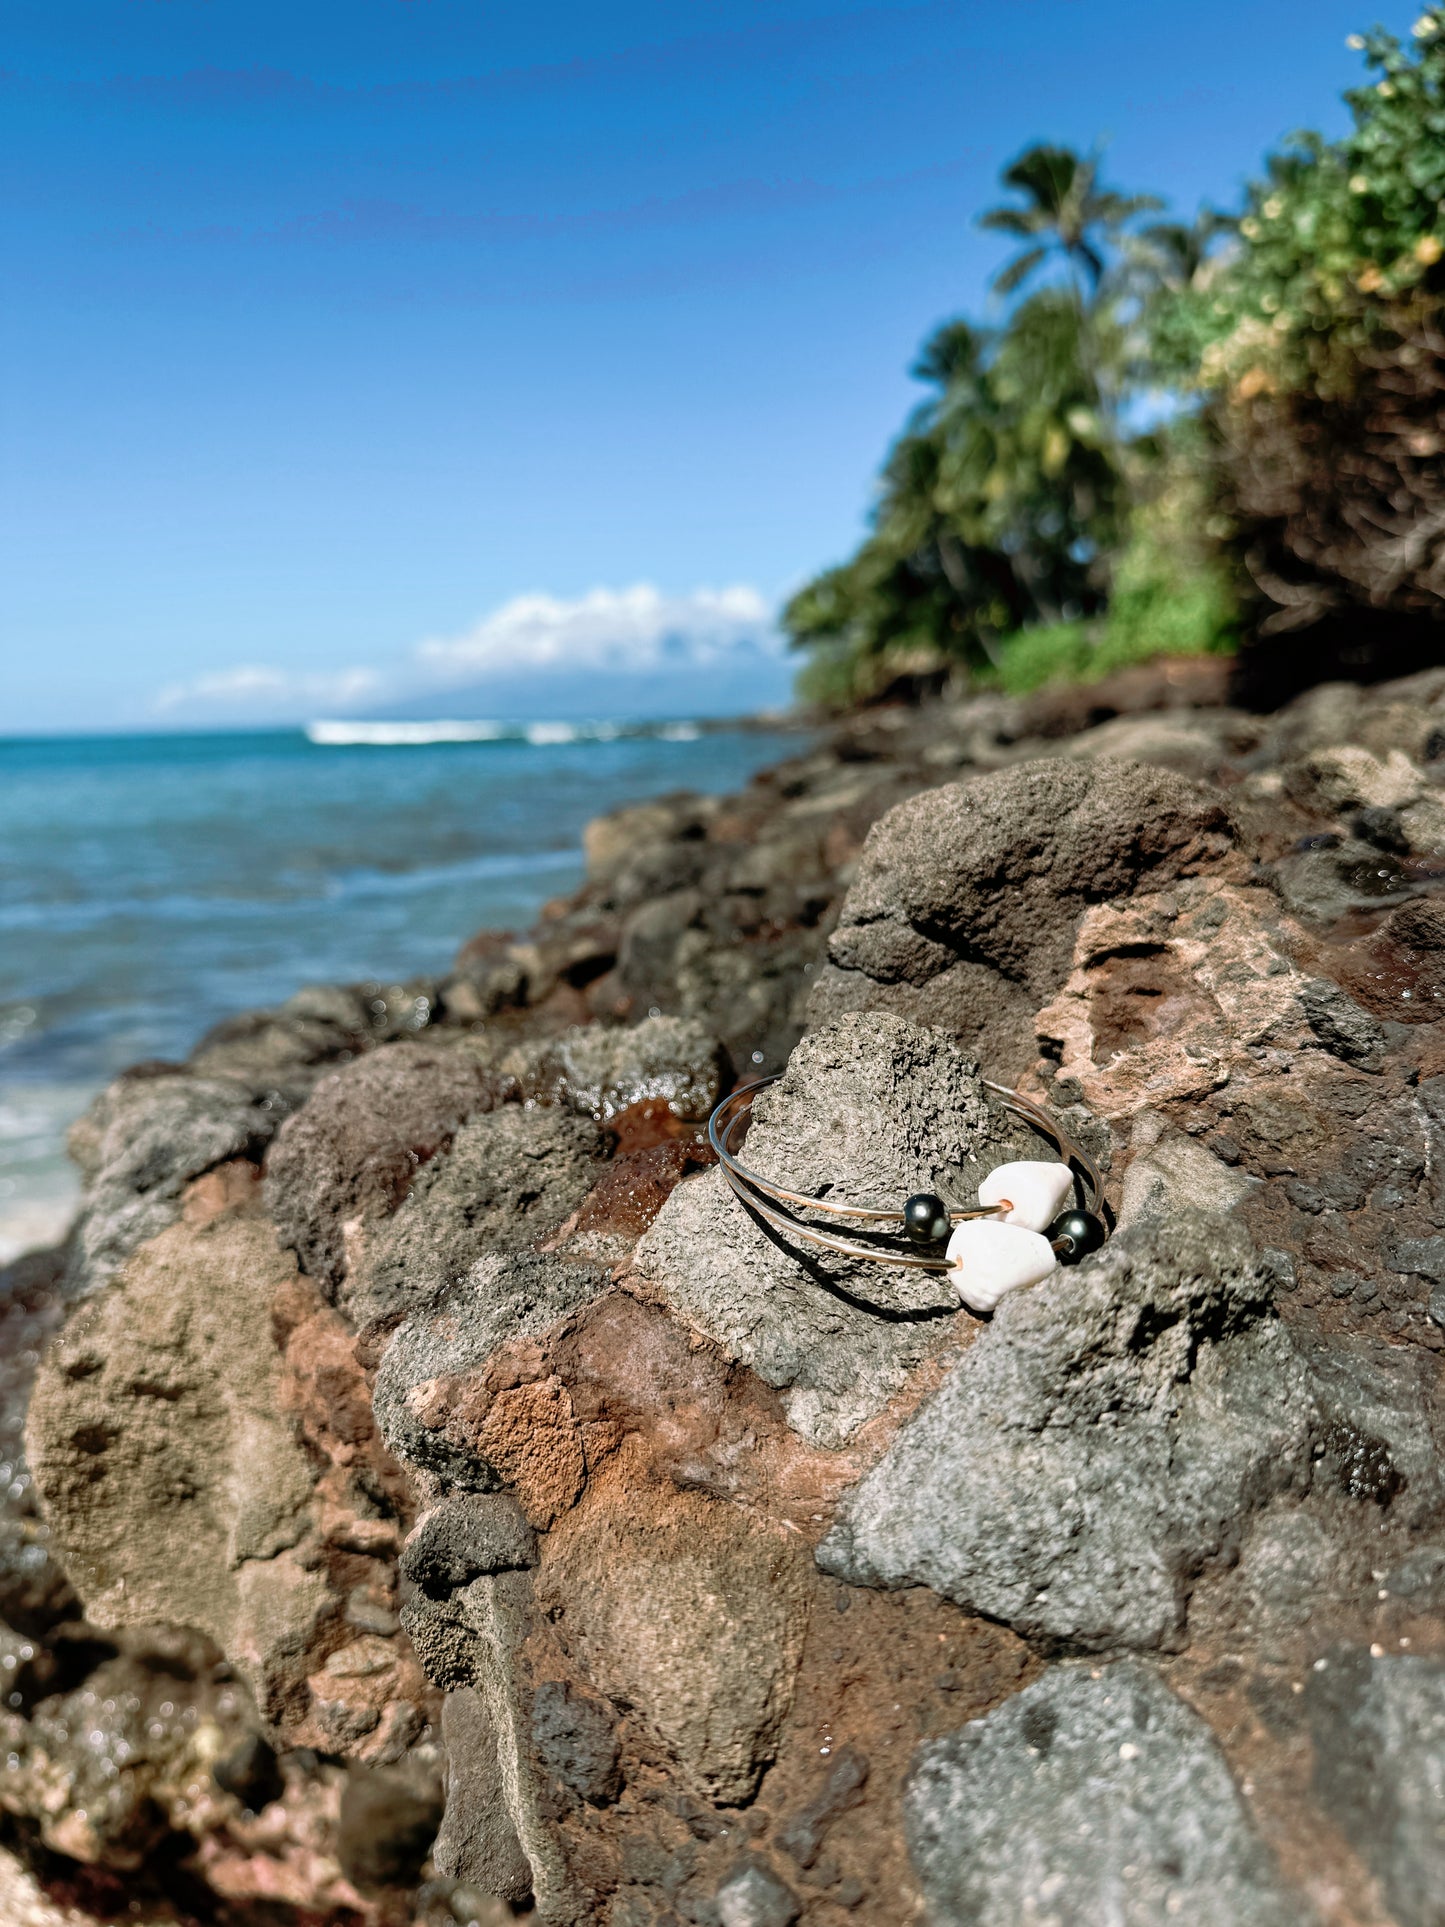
[
  {"x": 925, "y": 1218},
  {"x": 1075, "y": 1235}
]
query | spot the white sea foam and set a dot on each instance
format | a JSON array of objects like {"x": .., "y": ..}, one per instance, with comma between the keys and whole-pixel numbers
[
  {"x": 342, "y": 735},
  {"x": 332, "y": 734}
]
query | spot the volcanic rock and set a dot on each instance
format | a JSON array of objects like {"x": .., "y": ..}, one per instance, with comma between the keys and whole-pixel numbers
[
  {"x": 601, "y": 1071},
  {"x": 175, "y": 1487},
  {"x": 1088, "y": 1797},
  {"x": 1108, "y": 1433},
  {"x": 695, "y": 1618},
  {"x": 872, "y": 1108},
  {"x": 966, "y": 899},
  {"x": 142, "y": 1141},
  {"x": 477, "y": 1842},
  {"x": 502, "y": 1297},
  {"x": 351, "y": 1152},
  {"x": 510, "y": 1177},
  {"x": 1379, "y": 1738}
]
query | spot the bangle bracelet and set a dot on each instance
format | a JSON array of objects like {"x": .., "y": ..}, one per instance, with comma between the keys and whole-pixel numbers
[{"x": 1006, "y": 1240}]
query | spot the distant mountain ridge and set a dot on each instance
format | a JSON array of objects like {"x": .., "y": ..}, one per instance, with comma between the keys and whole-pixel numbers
[{"x": 749, "y": 681}]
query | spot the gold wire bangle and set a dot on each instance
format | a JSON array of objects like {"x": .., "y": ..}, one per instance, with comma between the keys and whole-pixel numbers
[{"x": 769, "y": 1200}]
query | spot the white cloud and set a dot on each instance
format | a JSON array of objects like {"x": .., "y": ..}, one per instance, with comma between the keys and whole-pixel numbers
[
  {"x": 608, "y": 629},
  {"x": 258, "y": 686},
  {"x": 533, "y": 638}
]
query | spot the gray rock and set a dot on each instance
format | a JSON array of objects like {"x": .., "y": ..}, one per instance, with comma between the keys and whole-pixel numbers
[
  {"x": 139, "y": 1145},
  {"x": 477, "y": 1841},
  {"x": 1379, "y": 1734},
  {"x": 1294, "y": 1562},
  {"x": 1170, "y": 1172},
  {"x": 655, "y": 869},
  {"x": 965, "y": 904},
  {"x": 1382, "y": 1422},
  {"x": 651, "y": 935},
  {"x": 502, "y": 1297},
  {"x": 599, "y": 1071},
  {"x": 1419, "y": 1579},
  {"x": 1196, "y": 744},
  {"x": 1113, "y": 1429},
  {"x": 462, "y": 1538},
  {"x": 611, "y": 842},
  {"x": 1419, "y": 1258},
  {"x": 752, "y": 992},
  {"x": 352, "y": 1150},
  {"x": 1088, "y": 1802},
  {"x": 872, "y": 1108},
  {"x": 1341, "y": 1025},
  {"x": 1335, "y": 779},
  {"x": 575, "y": 1740},
  {"x": 510, "y": 1177},
  {"x": 1324, "y": 884},
  {"x": 753, "y": 1896},
  {"x": 288, "y": 1048},
  {"x": 443, "y": 1638}
]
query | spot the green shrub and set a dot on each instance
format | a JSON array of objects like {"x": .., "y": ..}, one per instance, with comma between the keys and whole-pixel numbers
[
  {"x": 1334, "y": 240},
  {"x": 1319, "y": 342}
]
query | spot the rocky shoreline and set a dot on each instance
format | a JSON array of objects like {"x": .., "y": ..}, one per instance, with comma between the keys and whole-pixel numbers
[{"x": 431, "y": 1498}]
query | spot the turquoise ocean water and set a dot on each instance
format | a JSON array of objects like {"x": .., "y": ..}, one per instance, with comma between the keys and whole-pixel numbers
[{"x": 150, "y": 885}]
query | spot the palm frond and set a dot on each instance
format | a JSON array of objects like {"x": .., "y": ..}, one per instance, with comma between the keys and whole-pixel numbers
[
  {"x": 1012, "y": 220},
  {"x": 1019, "y": 269}
]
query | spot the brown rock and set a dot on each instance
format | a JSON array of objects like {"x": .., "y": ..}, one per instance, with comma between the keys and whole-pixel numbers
[
  {"x": 967, "y": 898},
  {"x": 691, "y": 1615},
  {"x": 173, "y": 1484}
]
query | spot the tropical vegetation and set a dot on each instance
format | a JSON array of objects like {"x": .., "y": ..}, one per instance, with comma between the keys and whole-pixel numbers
[{"x": 1179, "y": 436}]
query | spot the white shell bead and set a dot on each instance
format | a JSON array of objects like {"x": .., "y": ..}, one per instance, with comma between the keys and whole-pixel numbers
[
  {"x": 1037, "y": 1189},
  {"x": 987, "y": 1259}
]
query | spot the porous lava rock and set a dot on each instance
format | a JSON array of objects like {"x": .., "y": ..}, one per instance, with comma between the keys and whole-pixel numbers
[
  {"x": 350, "y": 1153},
  {"x": 177, "y": 1491},
  {"x": 510, "y": 1177},
  {"x": 290, "y": 1048},
  {"x": 544, "y": 1431},
  {"x": 1378, "y": 1726},
  {"x": 1110, "y": 1431},
  {"x": 693, "y": 1616},
  {"x": 1090, "y": 1796},
  {"x": 600, "y": 1070},
  {"x": 872, "y": 1108},
  {"x": 503, "y": 1297},
  {"x": 966, "y": 898},
  {"x": 142, "y": 1141}
]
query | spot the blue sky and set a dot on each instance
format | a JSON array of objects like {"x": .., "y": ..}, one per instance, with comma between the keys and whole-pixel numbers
[{"x": 355, "y": 352}]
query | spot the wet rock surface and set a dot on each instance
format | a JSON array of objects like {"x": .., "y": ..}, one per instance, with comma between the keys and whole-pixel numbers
[{"x": 440, "y": 1500}]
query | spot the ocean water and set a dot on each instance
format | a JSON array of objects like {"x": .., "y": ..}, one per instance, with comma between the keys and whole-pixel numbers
[{"x": 151, "y": 885}]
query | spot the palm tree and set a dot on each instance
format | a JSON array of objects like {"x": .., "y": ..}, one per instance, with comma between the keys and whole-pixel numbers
[
  {"x": 1066, "y": 213},
  {"x": 1168, "y": 255}
]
